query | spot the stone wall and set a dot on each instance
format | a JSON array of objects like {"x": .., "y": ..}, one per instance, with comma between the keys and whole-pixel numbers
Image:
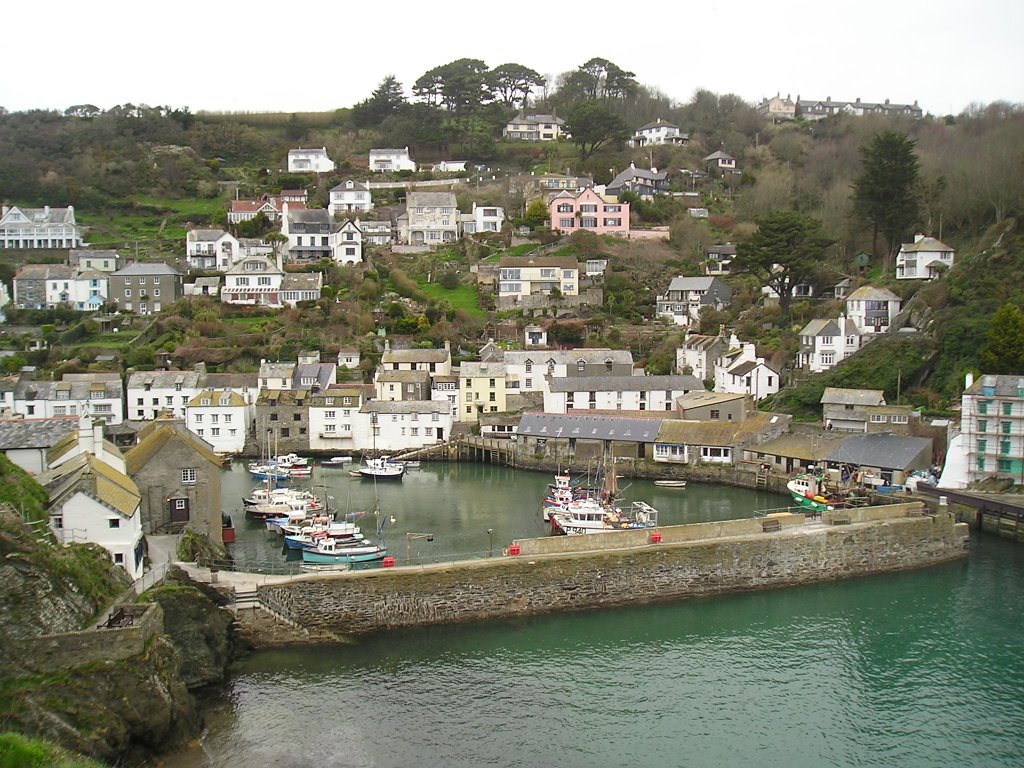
[
  {"x": 51, "y": 653},
  {"x": 366, "y": 601}
]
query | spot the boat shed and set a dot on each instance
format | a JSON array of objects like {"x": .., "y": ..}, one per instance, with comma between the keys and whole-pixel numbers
[
  {"x": 586, "y": 437},
  {"x": 882, "y": 458},
  {"x": 716, "y": 442}
]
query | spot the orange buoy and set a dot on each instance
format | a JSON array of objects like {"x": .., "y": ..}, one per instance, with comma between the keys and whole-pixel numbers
[
  {"x": 387, "y": 562},
  {"x": 513, "y": 550}
]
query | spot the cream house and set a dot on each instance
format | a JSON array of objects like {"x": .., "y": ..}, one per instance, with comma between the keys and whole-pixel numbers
[
  {"x": 521, "y": 276},
  {"x": 46, "y": 227}
]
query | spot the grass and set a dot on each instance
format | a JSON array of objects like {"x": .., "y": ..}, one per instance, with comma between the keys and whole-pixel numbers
[
  {"x": 17, "y": 751},
  {"x": 463, "y": 297}
]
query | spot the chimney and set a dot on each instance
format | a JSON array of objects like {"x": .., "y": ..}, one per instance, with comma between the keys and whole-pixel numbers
[
  {"x": 447, "y": 345},
  {"x": 968, "y": 380},
  {"x": 46, "y": 210},
  {"x": 918, "y": 237},
  {"x": 97, "y": 438}
]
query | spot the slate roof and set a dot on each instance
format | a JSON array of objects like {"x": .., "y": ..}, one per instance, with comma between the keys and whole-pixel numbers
[
  {"x": 657, "y": 124},
  {"x": 840, "y": 396},
  {"x": 405, "y": 377},
  {"x": 230, "y": 380},
  {"x": 309, "y": 216},
  {"x": 870, "y": 293},
  {"x": 46, "y": 272},
  {"x": 803, "y": 447},
  {"x": 78, "y": 388},
  {"x": 415, "y": 356},
  {"x": 545, "y": 425},
  {"x": 204, "y": 235},
  {"x": 568, "y": 356},
  {"x": 406, "y": 406},
  {"x": 519, "y": 262},
  {"x": 48, "y": 215},
  {"x": 321, "y": 373},
  {"x": 925, "y": 244},
  {"x": 235, "y": 400},
  {"x": 830, "y": 327},
  {"x": 625, "y": 383},
  {"x": 719, "y": 155},
  {"x": 702, "y": 398},
  {"x": 146, "y": 269},
  {"x": 270, "y": 268},
  {"x": 637, "y": 173},
  {"x": 277, "y": 370},
  {"x": 431, "y": 200},
  {"x": 302, "y": 281},
  {"x": 35, "y": 433},
  {"x": 884, "y": 450},
  {"x": 356, "y": 186},
  {"x": 494, "y": 370},
  {"x": 1008, "y": 385},
  {"x": 138, "y": 456},
  {"x": 163, "y": 379}
]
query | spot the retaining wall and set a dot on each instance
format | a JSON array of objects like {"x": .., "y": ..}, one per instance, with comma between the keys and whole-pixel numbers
[
  {"x": 689, "y": 562},
  {"x": 52, "y": 653}
]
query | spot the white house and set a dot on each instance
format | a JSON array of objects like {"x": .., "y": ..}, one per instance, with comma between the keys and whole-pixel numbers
[
  {"x": 721, "y": 161},
  {"x": 403, "y": 425},
  {"x": 98, "y": 394},
  {"x": 449, "y": 166},
  {"x": 483, "y": 218},
  {"x": 211, "y": 249},
  {"x": 333, "y": 414},
  {"x": 301, "y": 286},
  {"x": 348, "y": 357},
  {"x": 872, "y": 309},
  {"x": 255, "y": 280},
  {"x": 430, "y": 218},
  {"x": 437, "y": 362},
  {"x": 309, "y": 233},
  {"x": 376, "y": 232},
  {"x": 686, "y": 296},
  {"x": 29, "y": 228},
  {"x": 924, "y": 259},
  {"x": 527, "y": 370},
  {"x": 525, "y": 127},
  {"x": 523, "y": 276},
  {"x": 391, "y": 160},
  {"x": 823, "y": 343},
  {"x": 347, "y": 243},
  {"x": 151, "y": 393},
  {"x": 658, "y": 132},
  {"x": 309, "y": 161},
  {"x": 350, "y": 197},
  {"x": 617, "y": 393},
  {"x": 90, "y": 501},
  {"x": 738, "y": 370},
  {"x": 220, "y": 417},
  {"x": 718, "y": 257},
  {"x": 46, "y": 286}
]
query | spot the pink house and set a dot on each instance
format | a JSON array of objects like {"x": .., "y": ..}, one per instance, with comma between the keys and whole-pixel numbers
[{"x": 588, "y": 210}]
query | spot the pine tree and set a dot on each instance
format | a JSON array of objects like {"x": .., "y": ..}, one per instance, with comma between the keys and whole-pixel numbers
[{"x": 1004, "y": 344}]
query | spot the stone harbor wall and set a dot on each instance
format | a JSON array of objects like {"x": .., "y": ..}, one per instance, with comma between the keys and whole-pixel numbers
[{"x": 683, "y": 564}]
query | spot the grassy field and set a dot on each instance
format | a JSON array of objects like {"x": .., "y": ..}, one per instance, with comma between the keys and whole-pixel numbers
[{"x": 156, "y": 226}]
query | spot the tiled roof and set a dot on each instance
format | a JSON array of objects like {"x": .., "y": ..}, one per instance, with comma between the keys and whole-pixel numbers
[
  {"x": 882, "y": 449},
  {"x": 568, "y": 356},
  {"x": 624, "y": 383},
  {"x": 549, "y": 425},
  {"x": 35, "y": 433},
  {"x": 870, "y": 293}
]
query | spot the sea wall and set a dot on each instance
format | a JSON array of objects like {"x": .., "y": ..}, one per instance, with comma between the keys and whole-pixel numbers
[{"x": 690, "y": 561}]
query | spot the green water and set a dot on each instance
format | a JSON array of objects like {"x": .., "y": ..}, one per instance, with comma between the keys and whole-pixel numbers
[{"x": 924, "y": 668}]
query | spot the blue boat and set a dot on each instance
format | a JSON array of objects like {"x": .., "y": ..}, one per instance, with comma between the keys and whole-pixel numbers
[{"x": 331, "y": 551}]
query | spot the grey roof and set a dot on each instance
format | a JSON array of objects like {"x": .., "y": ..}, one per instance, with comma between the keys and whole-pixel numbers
[
  {"x": 163, "y": 379},
  {"x": 840, "y": 396},
  {"x": 356, "y": 186},
  {"x": 545, "y": 425},
  {"x": 1009, "y": 385},
  {"x": 405, "y": 377},
  {"x": 302, "y": 281},
  {"x": 691, "y": 283},
  {"x": 870, "y": 293},
  {"x": 743, "y": 368},
  {"x": 276, "y": 370},
  {"x": 35, "y": 433},
  {"x": 431, "y": 200},
  {"x": 77, "y": 385},
  {"x": 86, "y": 253},
  {"x": 522, "y": 118},
  {"x": 212, "y": 282},
  {"x": 496, "y": 370},
  {"x": 882, "y": 449},
  {"x": 146, "y": 268},
  {"x": 830, "y": 327},
  {"x": 568, "y": 356},
  {"x": 204, "y": 235},
  {"x": 925, "y": 244},
  {"x": 46, "y": 215},
  {"x": 722, "y": 249},
  {"x": 46, "y": 272},
  {"x": 269, "y": 268},
  {"x": 625, "y": 383},
  {"x": 399, "y": 151},
  {"x": 719, "y": 155},
  {"x": 320, "y": 372},
  {"x": 415, "y": 356},
  {"x": 406, "y": 406},
  {"x": 638, "y": 173},
  {"x": 657, "y": 124},
  {"x": 230, "y": 380},
  {"x": 309, "y": 216}
]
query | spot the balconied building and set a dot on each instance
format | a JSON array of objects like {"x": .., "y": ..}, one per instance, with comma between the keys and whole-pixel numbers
[{"x": 46, "y": 227}]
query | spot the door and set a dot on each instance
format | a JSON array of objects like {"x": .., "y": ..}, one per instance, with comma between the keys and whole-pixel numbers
[{"x": 179, "y": 510}]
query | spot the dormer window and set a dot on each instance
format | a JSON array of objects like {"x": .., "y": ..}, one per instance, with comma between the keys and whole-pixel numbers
[{"x": 529, "y": 366}]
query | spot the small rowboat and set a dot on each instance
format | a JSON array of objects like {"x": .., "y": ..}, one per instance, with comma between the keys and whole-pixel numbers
[{"x": 670, "y": 483}]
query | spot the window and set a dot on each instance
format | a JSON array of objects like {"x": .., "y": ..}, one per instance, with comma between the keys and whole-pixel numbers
[
  {"x": 285, "y": 432},
  {"x": 983, "y": 425},
  {"x": 188, "y": 476},
  {"x": 1004, "y": 447},
  {"x": 114, "y": 522},
  {"x": 296, "y": 417},
  {"x": 898, "y": 419},
  {"x": 878, "y": 418},
  {"x": 1007, "y": 409},
  {"x": 199, "y": 418},
  {"x": 981, "y": 464},
  {"x": 215, "y": 431},
  {"x": 716, "y": 415},
  {"x": 140, "y": 401},
  {"x": 330, "y": 414},
  {"x": 826, "y": 340},
  {"x": 1005, "y": 427},
  {"x": 828, "y": 358},
  {"x": 179, "y": 504},
  {"x": 330, "y": 427},
  {"x": 983, "y": 406},
  {"x": 1004, "y": 465},
  {"x": 127, "y": 293},
  {"x": 982, "y": 445}
]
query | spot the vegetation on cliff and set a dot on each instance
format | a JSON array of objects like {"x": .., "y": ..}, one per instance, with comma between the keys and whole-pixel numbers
[{"x": 17, "y": 751}]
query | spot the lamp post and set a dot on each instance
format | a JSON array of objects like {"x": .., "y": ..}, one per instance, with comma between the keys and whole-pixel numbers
[
  {"x": 490, "y": 542},
  {"x": 410, "y": 537}
]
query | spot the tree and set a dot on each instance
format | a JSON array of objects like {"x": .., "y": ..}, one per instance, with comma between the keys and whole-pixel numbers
[
  {"x": 512, "y": 84},
  {"x": 1004, "y": 344},
  {"x": 459, "y": 86},
  {"x": 887, "y": 191},
  {"x": 387, "y": 99},
  {"x": 785, "y": 251},
  {"x": 593, "y": 126},
  {"x": 536, "y": 214}
]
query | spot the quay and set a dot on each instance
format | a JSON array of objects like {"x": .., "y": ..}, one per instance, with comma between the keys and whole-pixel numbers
[{"x": 550, "y": 574}]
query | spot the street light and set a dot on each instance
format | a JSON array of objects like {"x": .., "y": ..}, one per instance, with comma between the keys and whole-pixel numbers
[
  {"x": 490, "y": 542},
  {"x": 410, "y": 537}
]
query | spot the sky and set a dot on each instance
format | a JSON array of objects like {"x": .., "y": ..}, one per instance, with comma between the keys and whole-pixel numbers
[{"x": 224, "y": 55}]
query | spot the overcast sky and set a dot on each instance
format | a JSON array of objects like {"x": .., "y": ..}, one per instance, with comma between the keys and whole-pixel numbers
[{"x": 224, "y": 55}]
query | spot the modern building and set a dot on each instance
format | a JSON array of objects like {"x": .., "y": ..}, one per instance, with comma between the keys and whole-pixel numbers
[
  {"x": 309, "y": 161},
  {"x": 385, "y": 160},
  {"x": 687, "y": 296}
]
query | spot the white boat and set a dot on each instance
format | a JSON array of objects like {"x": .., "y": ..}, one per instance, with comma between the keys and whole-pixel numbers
[
  {"x": 591, "y": 516},
  {"x": 289, "y": 460},
  {"x": 382, "y": 468},
  {"x": 336, "y": 461},
  {"x": 670, "y": 483}
]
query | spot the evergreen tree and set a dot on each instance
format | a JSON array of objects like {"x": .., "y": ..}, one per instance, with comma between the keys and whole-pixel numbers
[
  {"x": 786, "y": 250},
  {"x": 593, "y": 126},
  {"x": 1004, "y": 344},
  {"x": 887, "y": 193}
]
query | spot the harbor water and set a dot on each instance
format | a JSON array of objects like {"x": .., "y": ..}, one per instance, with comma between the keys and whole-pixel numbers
[{"x": 922, "y": 668}]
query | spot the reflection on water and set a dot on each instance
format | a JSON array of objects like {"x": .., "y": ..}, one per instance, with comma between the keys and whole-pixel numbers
[{"x": 915, "y": 669}]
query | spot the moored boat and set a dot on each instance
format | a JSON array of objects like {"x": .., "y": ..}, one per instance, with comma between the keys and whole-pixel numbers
[
  {"x": 670, "y": 483},
  {"x": 336, "y": 461},
  {"x": 808, "y": 491},
  {"x": 382, "y": 468},
  {"x": 591, "y": 516},
  {"x": 329, "y": 550}
]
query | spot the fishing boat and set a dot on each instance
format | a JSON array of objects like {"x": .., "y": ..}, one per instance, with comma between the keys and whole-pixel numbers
[
  {"x": 282, "y": 495},
  {"x": 808, "y": 491},
  {"x": 564, "y": 491},
  {"x": 310, "y": 538},
  {"x": 269, "y": 472},
  {"x": 670, "y": 483},
  {"x": 382, "y": 468},
  {"x": 329, "y": 550},
  {"x": 591, "y": 516}
]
